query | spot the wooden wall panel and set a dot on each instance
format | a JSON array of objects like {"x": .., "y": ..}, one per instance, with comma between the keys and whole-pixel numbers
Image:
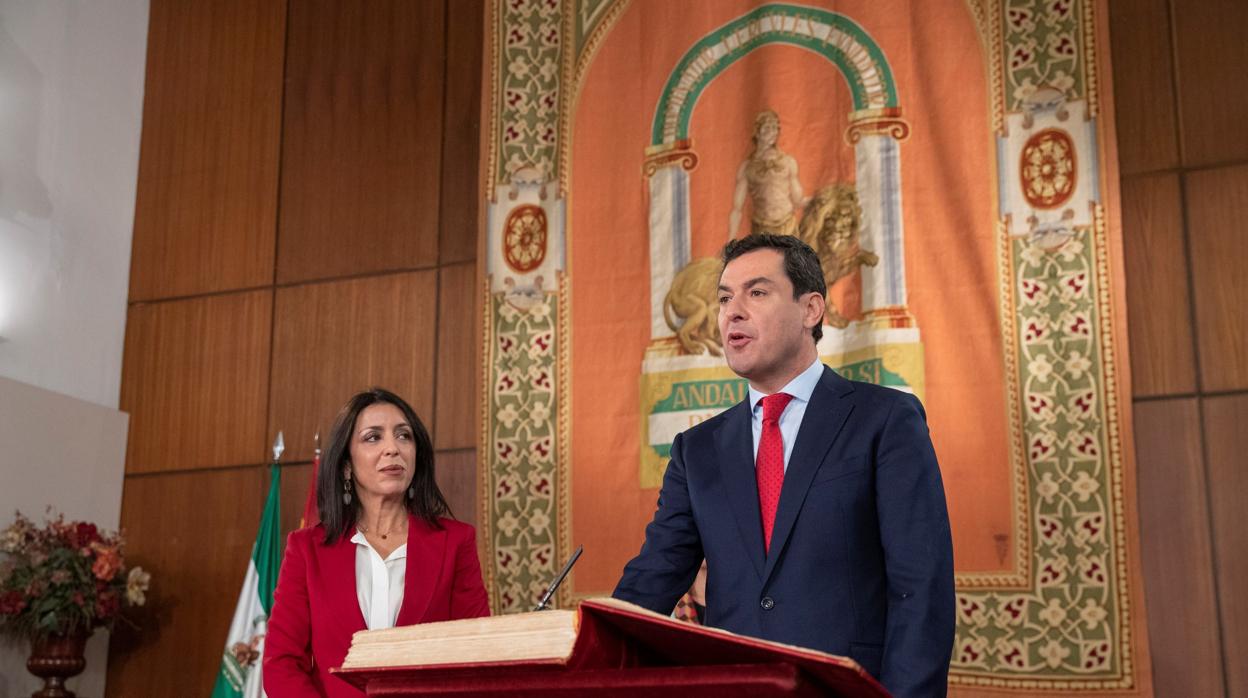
[
  {"x": 1144, "y": 106},
  {"x": 206, "y": 206},
  {"x": 461, "y": 136},
  {"x": 1175, "y": 550},
  {"x": 1212, "y": 57},
  {"x": 363, "y": 120},
  {"x": 1158, "y": 303},
  {"x": 1217, "y": 203},
  {"x": 195, "y": 382},
  {"x": 1227, "y": 443},
  {"x": 331, "y": 340},
  {"x": 362, "y": 138},
  {"x": 193, "y": 532},
  {"x": 459, "y": 334},
  {"x": 295, "y": 480},
  {"x": 457, "y": 478}
]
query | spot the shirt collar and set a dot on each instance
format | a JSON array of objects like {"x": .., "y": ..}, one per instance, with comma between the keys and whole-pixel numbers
[
  {"x": 800, "y": 387},
  {"x": 398, "y": 554}
]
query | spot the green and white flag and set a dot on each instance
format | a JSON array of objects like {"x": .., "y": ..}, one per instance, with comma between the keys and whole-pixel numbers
[{"x": 240, "y": 673}]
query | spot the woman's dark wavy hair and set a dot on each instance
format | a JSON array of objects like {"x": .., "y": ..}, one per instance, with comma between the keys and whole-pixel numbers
[{"x": 338, "y": 518}]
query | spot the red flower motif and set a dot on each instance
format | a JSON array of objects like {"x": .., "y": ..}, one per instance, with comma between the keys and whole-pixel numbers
[
  {"x": 1048, "y": 527},
  {"x": 542, "y": 556},
  {"x": 542, "y": 341},
  {"x": 1015, "y": 608}
]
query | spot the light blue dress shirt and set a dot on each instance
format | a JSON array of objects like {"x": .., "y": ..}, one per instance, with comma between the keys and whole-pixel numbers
[{"x": 791, "y": 419}]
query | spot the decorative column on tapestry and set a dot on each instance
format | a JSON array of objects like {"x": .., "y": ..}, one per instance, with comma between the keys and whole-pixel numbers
[{"x": 948, "y": 162}]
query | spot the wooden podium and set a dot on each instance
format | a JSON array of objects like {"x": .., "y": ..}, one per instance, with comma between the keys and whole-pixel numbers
[{"x": 619, "y": 650}]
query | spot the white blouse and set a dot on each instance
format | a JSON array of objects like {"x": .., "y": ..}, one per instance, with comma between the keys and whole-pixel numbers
[{"x": 379, "y": 583}]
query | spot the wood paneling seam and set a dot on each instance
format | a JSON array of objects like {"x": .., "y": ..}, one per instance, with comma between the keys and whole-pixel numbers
[
  {"x": 296, "y": 284},
  {"x": 1184, "y": 169},
  {"x": 1200, "y": 412},
  {"x": 1176, "y": 99},
  {"x": 1137, "y": 399}
]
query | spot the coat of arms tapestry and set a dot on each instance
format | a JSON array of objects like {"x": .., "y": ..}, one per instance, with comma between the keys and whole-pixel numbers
[{"x": 952, "y": 163}]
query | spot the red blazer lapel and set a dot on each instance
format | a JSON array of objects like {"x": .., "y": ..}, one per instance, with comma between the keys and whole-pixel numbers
[
  {"x": 339, "y": 570},
  {"x": 426, "y": 548}
]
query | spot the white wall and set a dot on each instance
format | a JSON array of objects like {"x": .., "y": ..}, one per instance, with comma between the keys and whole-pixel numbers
[{"x": 71, "y": 105}]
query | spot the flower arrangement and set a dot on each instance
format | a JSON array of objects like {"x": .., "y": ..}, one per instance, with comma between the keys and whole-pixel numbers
[{"x": 65, "y": 577}]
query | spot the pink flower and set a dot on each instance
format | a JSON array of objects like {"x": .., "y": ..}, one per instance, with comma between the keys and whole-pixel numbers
[{"x": 107, "y": 564}]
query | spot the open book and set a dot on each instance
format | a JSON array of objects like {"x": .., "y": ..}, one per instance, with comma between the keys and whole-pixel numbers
[
  {"x": 603, "y": 637},
  {"x": 545, "y": 635}
]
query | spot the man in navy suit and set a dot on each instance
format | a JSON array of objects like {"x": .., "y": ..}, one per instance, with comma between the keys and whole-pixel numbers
[{"x": 817, "y": 502}]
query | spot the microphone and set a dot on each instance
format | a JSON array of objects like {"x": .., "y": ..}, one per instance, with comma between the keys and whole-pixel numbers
[{"x": 550, "y": 590}]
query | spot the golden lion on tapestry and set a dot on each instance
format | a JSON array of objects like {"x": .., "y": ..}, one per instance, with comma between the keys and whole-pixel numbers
[
  {"x": 693, "y": 299},
  {"x": 830, "y": 227}
]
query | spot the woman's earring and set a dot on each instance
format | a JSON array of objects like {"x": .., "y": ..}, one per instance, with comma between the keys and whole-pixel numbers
[
  {"x": 346, "y": 490},
  {"x": 411, "y": 492}
]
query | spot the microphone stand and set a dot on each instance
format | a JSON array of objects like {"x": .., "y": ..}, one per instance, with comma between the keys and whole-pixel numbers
[{"x": 550, "y": 590}]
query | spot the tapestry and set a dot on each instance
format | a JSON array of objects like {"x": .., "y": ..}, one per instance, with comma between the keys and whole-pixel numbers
[{"x": 952, "y": 164}]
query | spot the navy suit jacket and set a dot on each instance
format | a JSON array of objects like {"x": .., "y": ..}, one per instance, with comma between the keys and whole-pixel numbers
[{"x": 861, "y": 559}]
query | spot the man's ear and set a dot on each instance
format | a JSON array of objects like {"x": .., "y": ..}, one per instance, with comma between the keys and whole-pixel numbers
[{"x": 813, "y": 310}]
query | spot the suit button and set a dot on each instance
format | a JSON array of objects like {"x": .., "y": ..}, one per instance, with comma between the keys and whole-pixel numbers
[{"x": 767, "y": 604}]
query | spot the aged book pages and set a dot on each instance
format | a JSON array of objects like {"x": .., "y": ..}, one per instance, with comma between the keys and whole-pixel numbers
[{"x": 517, "y": 637}]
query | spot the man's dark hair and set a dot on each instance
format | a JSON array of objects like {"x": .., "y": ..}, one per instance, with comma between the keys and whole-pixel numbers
[
  {"x": 337, "y": 517},
  {"x": 801, "y": 264}
]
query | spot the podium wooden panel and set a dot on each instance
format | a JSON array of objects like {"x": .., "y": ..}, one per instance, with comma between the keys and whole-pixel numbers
[{"x": 622, "y": 650}]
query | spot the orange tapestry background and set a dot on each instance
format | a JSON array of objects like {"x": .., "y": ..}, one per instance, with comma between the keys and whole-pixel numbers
[{"x": 948, "y": 178}]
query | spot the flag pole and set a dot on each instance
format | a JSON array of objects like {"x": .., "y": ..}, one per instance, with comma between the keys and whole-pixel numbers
[
  {"x": 311, "y": 516},
  {"x": 240, "y": 673}
]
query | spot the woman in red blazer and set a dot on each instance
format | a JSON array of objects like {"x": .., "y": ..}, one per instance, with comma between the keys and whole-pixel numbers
[{"x": 384, "y": 553}]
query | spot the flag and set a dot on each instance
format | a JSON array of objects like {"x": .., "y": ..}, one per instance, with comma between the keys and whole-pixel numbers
[
  {"x": 240, "y": 674},
  {"x": 311, "y": 516}
]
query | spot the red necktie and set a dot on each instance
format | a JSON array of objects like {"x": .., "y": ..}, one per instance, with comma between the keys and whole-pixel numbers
[{"x": 769, "y": 467}]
